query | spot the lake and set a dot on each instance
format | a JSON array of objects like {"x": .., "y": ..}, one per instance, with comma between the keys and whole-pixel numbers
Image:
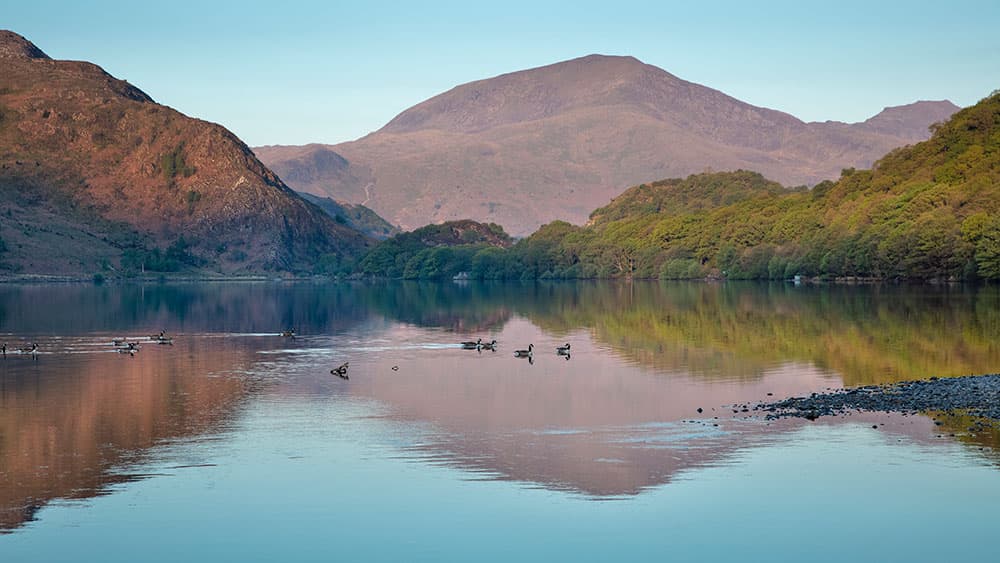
[{"x": 235, "y": 443}]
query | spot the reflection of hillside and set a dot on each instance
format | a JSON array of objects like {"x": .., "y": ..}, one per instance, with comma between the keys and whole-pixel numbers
[
  {"x": 213, "y": 307},
  {"x": 866, "y": 334},
  {"x": 70, "y": 424},
  {"x": 594, "y": 425},
  {"x": 975, "y": 432},
  {"x": 461, "y": 308}
]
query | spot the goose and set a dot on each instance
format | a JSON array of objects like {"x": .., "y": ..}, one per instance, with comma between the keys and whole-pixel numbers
[
  {"x": 563, "y": 350},
  {"x": 489, "y": 345},
  {"x": 161, "y": 336},
  {"x": 472, "y": 345},
  {"x": 524, "y": 353},
  {"x": 341, "y": 371},
  {"x": 33, "y": 350},
  {"x": 290, "y": 333},
  {"x": 4, "y": 350}
]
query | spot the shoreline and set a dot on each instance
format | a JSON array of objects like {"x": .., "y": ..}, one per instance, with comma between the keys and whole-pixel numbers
[
  {"x": 975, "y": 395},
  {"x": 287, "y": 277}
]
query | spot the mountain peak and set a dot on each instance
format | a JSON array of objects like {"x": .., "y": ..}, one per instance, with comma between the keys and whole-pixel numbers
[
  {"x": 540, "y": 92},
  {"x": 910, "y": 120},
  {"x": 13, "y": 45}
]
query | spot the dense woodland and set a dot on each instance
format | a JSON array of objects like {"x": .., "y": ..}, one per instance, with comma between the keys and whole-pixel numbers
[{"x": 927, "y": 211}]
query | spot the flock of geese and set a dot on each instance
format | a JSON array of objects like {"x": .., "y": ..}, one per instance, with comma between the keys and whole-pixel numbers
[
  {"x": 528, "y": 353},
  {"x": 130, "y": 347},
  {"x": 478, "y": 345},
  {"x": 33, "y": 350},
  {"x": 120, "y": 345}
]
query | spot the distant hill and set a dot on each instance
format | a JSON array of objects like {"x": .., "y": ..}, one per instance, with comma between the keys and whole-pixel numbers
[
  {"x": 96, "y": 176},
  {"x": 926, "y": 211},
  {"x": 355, "y": 216},
  {"x": 555, "y": 142}
]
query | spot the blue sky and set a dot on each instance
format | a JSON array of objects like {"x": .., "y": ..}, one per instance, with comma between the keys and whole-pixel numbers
[{"x": 295, "y": 72}]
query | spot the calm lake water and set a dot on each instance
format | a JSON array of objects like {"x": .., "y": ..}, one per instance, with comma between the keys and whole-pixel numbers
[{"x": 235, "y": 443}]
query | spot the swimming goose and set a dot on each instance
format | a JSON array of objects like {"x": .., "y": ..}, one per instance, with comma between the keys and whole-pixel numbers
[
  {"x": 563, "y": 350},
  {"x": 489, "y": 345},
  {"x": 290, "y": 333},
  {"x": 33, "y": 350},
  {"x": 472, "y": 345},
  {"x": 524, "y": 353},
  {"x": 341, "y": 371}
]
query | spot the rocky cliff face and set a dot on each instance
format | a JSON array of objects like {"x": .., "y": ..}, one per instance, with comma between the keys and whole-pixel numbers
[
  {"x": 555, "y": 142},
  {"x": 102, "y": 169}
]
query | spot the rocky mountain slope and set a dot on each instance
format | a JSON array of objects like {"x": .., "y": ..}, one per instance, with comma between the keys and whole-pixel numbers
[
  {"x": 97, "y": 176},
  {"x": 555, "y": 142},
  {"x": 355, "y": 216}
]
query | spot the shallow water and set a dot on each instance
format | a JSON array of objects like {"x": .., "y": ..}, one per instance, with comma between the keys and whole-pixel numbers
[{"x": 235, "y": 443}]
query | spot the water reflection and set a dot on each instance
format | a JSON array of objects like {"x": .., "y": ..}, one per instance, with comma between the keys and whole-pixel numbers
[
  {"x": 619, "y": 419},
  {"x": 73, "y": 422}
]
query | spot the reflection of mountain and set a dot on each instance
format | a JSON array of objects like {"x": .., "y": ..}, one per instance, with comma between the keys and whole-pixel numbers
[
  {"x": 866, "y": 334},
  {"x": 71, "y": 425},
  {"x": 594, "y": 424},
  {"x": 608, "y": 422}
]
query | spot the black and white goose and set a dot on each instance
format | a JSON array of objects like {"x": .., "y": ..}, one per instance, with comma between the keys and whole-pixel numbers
[
  {"x": 33, "y": 350},
  {"x": 563, "y": 350},
  {"x": 489, "y": 345},
  {"x": 341, "y": 371},
  {"x": 472, "y": 345},
  {"x": 524, "y": 353}
]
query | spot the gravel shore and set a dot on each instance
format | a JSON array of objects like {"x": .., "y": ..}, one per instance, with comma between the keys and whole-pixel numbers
[{"x": 977, "y": 395}]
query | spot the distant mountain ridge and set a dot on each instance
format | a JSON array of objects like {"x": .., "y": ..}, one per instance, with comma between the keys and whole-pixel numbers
[
  {"x": 96, "y": 176},
  {"x": 554, "y": 142}
]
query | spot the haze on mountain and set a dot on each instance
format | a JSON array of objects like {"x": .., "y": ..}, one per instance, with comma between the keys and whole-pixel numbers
[
  {"x": 97, "y": 177},
  {"x": 555, "y": 142}
]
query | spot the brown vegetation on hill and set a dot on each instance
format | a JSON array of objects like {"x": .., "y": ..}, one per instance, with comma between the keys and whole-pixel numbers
[{"x": 113, "y": 178}]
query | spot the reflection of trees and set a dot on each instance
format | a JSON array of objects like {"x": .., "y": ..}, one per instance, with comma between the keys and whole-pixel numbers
[
  {"x": 972, "y": 431},
  {"x": 867, "y": 334},
  {"x": 70, "y": 430}
]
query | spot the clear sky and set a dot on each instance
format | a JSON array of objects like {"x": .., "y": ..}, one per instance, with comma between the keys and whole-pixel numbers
[{"x": 294, "y": 72}]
